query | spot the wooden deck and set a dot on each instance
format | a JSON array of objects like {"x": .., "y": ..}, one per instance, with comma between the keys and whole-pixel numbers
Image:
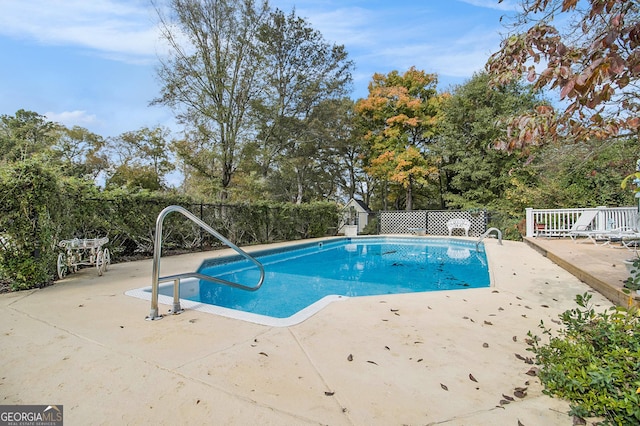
[{"x": 601, "y": 267}]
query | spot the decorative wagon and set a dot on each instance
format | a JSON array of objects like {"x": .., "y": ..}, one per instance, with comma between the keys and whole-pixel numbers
[{"x": 79, "y": 252}]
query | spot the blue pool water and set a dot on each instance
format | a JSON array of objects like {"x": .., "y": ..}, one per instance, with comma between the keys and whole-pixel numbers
[{"x": 299, "y": 276}]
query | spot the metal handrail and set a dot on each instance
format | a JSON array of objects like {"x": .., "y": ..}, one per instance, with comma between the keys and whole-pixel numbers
[
  {"x": 157, "y": 253},
  {"x": 486, "y": 234}
]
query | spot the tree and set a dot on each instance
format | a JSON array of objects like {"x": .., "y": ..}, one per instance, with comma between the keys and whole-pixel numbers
[
  {"x": 301, "y": 70},
  {"x": 585, "y": 174},
  {"x": 593, "y": 62},
  {"x": 401, "y": 115},
  {"x": 347, "y": 146},
  {"x": 81, "y": 152},
  {"x": 210, "y": 79},
  {"x": 143, "y": 159},
  {"x": 473, "y": 173},
  {"x": 25, "y": 134},
  {"x": 77, "y": 151},
  {"x": 312, "y": 169},
  {"x": 315, "y": 157}
]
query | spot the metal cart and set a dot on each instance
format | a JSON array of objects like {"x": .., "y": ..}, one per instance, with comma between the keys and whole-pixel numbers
[{"x": 79, "y": 252}]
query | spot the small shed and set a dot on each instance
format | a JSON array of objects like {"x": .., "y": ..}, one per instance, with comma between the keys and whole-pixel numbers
[{"x": 355, "y": 217}]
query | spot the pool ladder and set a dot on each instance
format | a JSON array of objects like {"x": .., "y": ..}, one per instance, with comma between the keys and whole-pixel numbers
[
  {"x": 157, "y": 253},
  {"x": 486, "y": 234}
]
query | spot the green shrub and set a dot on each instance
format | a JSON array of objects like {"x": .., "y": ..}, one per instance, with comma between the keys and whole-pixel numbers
[
  {"x": 507, "y": 223},
  {"x": 371, "y": 228},
  {"x": 594, "y": 362},
  {"x": 27, "y": 228},
  {"x": 632, "y": 283}
]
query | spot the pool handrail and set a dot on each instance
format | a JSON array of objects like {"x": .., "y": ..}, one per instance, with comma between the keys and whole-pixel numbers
[
  {"x": 486, "y": 234},
  {"x": 157, "y": 254}
]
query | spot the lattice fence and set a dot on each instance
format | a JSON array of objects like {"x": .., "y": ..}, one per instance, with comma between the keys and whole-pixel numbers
[
  {"x": 434, "y": 222},
  {"x": 400, "y": 222}
]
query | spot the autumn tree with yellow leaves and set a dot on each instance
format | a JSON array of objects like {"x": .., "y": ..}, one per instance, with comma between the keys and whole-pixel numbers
[{"x": 401, "y": 116}]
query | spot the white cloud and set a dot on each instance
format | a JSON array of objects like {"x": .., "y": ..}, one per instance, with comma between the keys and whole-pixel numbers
[
  {"x": 430, "y": 47},
  {"x": 506, "y": 5},
  {"x": 121, "y": 29},
  {"x": 381, "y": 40},
  {"x": 72, "y": 118},
  {"x": 349, "y": 26},
  {"x": 124, "y": 31}
]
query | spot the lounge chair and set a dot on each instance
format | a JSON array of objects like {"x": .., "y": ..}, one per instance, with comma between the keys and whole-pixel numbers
[
  {"x": 582, "y": 226},
  {"x": 631, "y": 240},
  {"x": 621, "y": 235},
  {"x": 628, "y": 236}
]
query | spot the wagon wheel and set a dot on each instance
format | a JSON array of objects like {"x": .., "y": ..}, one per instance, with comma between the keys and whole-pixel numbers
[
  {"x": 62, "y": 265},
  {"x": 100, "y": 262},
  {"x": 72, "y": 259},
  {"x": 107, "y": 259}
]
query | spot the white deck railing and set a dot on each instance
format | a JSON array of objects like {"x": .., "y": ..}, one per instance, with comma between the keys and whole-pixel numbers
[{"x": 558, "y": 222}]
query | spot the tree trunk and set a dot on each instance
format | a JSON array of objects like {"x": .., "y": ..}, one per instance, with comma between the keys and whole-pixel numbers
[
  {"x": 409, "y": 205},
  {"x": 300, "y": 186}
]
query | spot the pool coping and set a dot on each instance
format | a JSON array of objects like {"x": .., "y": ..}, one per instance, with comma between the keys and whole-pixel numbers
[{"x": 300, "y": 316}]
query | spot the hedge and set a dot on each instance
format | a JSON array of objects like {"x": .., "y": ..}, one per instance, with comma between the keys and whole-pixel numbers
[{"x": 39, "y": 208}]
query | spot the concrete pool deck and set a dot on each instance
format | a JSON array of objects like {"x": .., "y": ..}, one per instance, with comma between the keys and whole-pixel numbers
[{"x": 450, "y": 357}]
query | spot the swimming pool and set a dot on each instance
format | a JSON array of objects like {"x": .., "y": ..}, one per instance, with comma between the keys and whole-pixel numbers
[{"x": 302, "y": 279}]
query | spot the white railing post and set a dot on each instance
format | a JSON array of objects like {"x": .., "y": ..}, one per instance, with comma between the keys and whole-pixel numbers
[
  {"x": 601, "y": 218},
  {"x": 529, "y": 221}
]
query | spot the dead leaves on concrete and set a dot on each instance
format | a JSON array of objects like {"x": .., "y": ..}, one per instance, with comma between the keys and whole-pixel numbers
[
  {"x": 519, "y": 393},
  {"x": 515, "y": 395},
  {"x": 526, "y": 360}
]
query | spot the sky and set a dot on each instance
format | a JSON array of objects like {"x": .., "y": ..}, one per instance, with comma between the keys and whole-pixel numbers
[{"x": 93, "y": 63}]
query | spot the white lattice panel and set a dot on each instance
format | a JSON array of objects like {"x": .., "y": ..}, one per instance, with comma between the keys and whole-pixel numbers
[
  {"x": 435, "y": 222},
  {"x": 400, "y": 222}
]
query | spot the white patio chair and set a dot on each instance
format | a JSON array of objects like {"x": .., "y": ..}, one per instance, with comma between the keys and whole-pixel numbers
[{"x": 463, "y": 224}]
